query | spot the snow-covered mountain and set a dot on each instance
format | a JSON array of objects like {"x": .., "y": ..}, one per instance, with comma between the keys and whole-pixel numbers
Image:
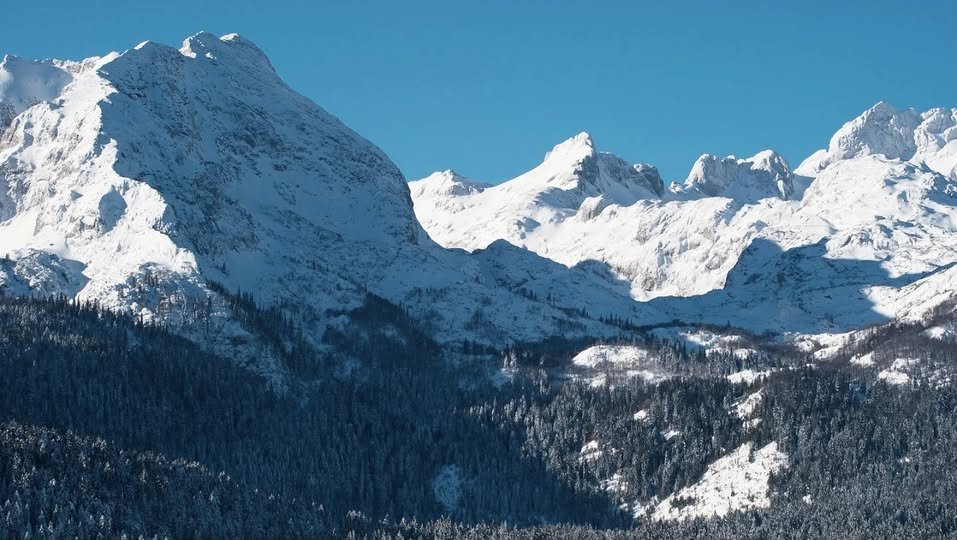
[
  {"x": 861, "y": 232},
  {"x": 138, "y": 178}
]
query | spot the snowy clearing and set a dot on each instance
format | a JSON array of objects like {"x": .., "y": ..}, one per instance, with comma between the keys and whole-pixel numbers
[{"x": 732, "y": 483}]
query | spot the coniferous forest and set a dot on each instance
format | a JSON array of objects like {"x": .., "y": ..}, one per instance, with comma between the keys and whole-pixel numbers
[{"x": 112, "y": 427}]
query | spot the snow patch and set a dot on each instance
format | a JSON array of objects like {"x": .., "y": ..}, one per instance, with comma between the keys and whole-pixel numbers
[
  {"x": 670, "y": 434},
  {"x": 896, "y": 374},
  {"x": 590, "y": 451},
  {"x": 863, "y": 360},
  {"x": 598, "y": 363},
  {"x": 615, "y": 485},
  {"x": 941, "y": 333},
  {"x": 745, "y": 407},
  {"x": 749, "y": 376},
  {"x": 892, "y": 376},
  {"x": 735, "y": 482}
]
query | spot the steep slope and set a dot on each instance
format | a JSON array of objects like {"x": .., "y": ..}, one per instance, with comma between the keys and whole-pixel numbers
[
  {"x": 848, "y": 240},
  {"x": 156, "y": 171}
]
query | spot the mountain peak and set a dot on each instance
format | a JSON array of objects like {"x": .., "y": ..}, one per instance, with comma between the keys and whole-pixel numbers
[
  {"x": 766, "y": 174},
  {"x": 448, "y": 175},
  {"x": 881, "y": 129},
  {"x": 199, "y": 153},
  {"x": 447, "y": 183},
  {"x": 572, "y": 149},
  {"x": 893, "y": 134},
  {"x": 881, "y": 107},
  {"x": 230, "y": 46},
  {"x": 574, "y": 170}
]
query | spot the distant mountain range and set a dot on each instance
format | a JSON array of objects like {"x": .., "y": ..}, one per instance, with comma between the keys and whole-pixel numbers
[{"x": 859, "y": 233}]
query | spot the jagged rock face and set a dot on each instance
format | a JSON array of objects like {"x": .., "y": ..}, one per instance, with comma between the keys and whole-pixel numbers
[
  {"x": 575, "y": 170},
  {"x": 880, "y": 130},
  {"x": 261, "y": 148},
  {"x": 615, "y": 173}
]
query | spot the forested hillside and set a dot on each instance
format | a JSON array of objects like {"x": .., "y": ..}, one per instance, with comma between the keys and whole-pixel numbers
[{"x": 111, "y": 426}]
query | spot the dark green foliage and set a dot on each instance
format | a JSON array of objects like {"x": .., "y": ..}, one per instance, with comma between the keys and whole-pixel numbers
[
  {"x": 373, "y": 445},
  {"x": 61, "y": 485}
]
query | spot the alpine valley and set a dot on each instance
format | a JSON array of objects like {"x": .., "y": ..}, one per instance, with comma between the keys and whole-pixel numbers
[{"x": 223, "y": 313}]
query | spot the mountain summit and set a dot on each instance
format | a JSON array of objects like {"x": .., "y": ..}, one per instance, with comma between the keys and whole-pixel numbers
[
  {"x": 764, "y": 175},
  {"x": 574, "y": 181},
  {"x": 908, "y": 135}
]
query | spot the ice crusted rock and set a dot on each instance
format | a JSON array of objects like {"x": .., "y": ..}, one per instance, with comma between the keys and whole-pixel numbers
[
  {"x": 882, "y": 129},
  {"x": 576, "y": 167}
]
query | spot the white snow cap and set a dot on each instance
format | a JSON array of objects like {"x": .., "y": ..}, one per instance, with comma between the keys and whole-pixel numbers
[{"x": 576, "y": 163}]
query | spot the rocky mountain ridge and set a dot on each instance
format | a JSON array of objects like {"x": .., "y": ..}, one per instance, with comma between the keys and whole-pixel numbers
[{"x": 871, "y": 218}]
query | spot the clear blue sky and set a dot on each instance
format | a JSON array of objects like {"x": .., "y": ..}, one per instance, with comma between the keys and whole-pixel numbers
[{"x": 487, "y": 87}]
